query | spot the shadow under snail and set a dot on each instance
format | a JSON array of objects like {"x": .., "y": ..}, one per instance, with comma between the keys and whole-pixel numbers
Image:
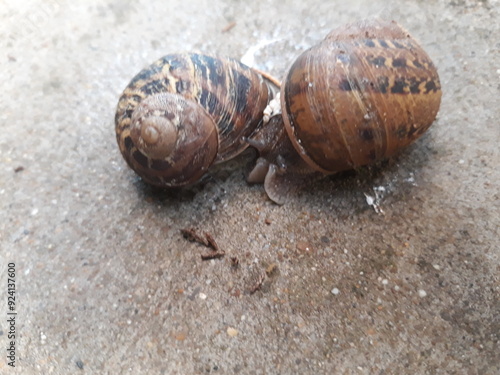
[{"x": 361, "y": 95}]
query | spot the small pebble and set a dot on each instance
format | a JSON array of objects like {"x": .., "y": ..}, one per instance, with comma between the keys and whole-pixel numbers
[
  {"x": 303, "y": 246},
  {"x": 385, "y": 282},
  {"x": 271, "y": 268},
  {"x": 232, "y": 332},
  {"x": 335, "y": 291},
  {"x": 181, "y": 336},
  {"x": 422, "y": 293},
  {"x": 202, "y": 296}
]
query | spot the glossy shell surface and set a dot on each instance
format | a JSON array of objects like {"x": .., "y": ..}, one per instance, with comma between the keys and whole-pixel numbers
[
  {"x": 359, "y": 96},
  {"x": 232, "y": 95}
]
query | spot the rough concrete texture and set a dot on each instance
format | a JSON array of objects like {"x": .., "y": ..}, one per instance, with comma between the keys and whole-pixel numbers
[{"x": 107, "y": 285}]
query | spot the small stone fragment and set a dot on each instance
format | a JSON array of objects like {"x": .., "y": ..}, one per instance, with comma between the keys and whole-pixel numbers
[
  {"x": 303, "y": 246},
  {"x": 271, "y": 268},
  {"x": 181, "y": 336},
  {"x": 232, "y": 332},
  {"x": 79, "y": 364}
]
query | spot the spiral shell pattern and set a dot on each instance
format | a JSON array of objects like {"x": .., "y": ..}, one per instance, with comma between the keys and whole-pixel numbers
[{"x": 232, "y": 95}]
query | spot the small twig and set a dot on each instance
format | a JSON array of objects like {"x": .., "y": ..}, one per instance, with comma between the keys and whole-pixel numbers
[
  {"x": 207, "y": 240},
  {"x": 228, "y": 27},
  {"x": 191, "y": 235},
  {"x": 213, "y": 255},
  {"x": 211, "y": 242},
  {"x": 275, "y": 81}
]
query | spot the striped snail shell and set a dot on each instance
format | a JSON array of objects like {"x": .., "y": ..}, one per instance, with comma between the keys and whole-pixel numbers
[
  {"x": 185, "y": 112},
  {"x": 361, "y": 95}
]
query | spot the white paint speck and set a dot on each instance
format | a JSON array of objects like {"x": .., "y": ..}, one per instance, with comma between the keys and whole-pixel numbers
[
  {"x": 385, "y": 282},
  {"x": 369, "y": 200},
  {"x": 335, "y": 291},
  {"x": 422, "y": 293},
  {"x": 202, "y": 296},
  {"x": 34, "y": 211}
]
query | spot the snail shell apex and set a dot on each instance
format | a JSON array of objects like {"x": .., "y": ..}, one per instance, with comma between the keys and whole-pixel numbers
[
  {"x": 185, "y": 112},
  {"x": 177, "y": 136},
  {"x": 361, "y": 95}
]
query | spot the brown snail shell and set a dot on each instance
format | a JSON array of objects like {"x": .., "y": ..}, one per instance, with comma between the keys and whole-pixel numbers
[
  {"x": 185, "y": 112},
  {"x": 361, "y": 95}
]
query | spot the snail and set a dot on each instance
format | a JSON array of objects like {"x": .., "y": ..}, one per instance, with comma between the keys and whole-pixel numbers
[
  {"x": 361, "y": 95},
  {"x": 186, "y": 112}
]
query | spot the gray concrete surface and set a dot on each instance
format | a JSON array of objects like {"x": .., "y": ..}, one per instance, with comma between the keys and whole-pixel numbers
[{"x": 107, "y": 285}]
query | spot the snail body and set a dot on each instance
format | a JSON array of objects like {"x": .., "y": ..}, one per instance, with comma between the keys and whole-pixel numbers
[
  {"x": 361, "y": 95},
  {"x": 186, "y": 112}
]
